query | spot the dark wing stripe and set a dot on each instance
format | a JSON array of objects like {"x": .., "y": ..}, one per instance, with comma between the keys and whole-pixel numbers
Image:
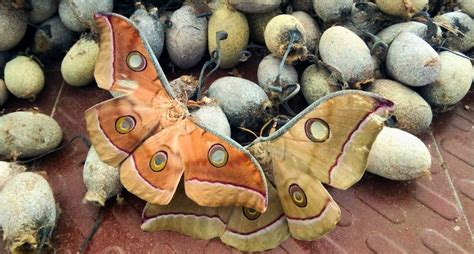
[
  {"x": 281, "y": 217},
  {"x": 313, "y": 217}
]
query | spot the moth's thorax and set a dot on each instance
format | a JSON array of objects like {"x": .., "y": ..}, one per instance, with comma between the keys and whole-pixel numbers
[
  {"x": 173, "y": 110},
  {"x": 261, "y": 152}
]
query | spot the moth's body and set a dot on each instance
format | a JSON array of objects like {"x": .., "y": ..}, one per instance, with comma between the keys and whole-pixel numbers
[
  {"x": 173, "y": 111},
  {"x": 261, "y": 151}
]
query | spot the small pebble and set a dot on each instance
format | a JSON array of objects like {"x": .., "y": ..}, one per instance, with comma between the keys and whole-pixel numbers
[
  {"x": 86, "y": 10},
  {"x": 401, "y": 8},
  {"x": 24, "y": 77},
  {"x": 226, "y": 18},
  {"x": 212, "y": 117},
  {"x": 453, "y": 82},
  {"x": 69, "y": 16},
  {"x": 150, "y": 27},
  {"x": 57, "y": 42},
  {"x": 251, "y": 6},
  {"x": 412, "y": 61},
  {"x": 269, "y": 70},
  {"x": 28, "y": 212},
  {"x": 278, "y": 34},
  {"x": 311, "y": 28},
  {"x": 28, "y": 134},
  {"x": 398, "y": 155},
  {"x": 7, "y": 171},
  {"x": 346, "y": 53},
  {"x": 41, "y": 10},
  {"x": 102, "y": 180},
  {"x": 186, "y": 39},
  {"x": 463, "y": 39},
  {"x": 332, "y": 10},
  {"x": 388, "y": 34},
  {"x": 12, "y": 26},
  {"x": 77, "y": 67},
  {"x": 316, "y": 83},
  {"x": 78, "y": 15},
  {"x": 244, "y": 103},
  {"x": 467, "y": 6},
  {"x": 413, "y": 114}
]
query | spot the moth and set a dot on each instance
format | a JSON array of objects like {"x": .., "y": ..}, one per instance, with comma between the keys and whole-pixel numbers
[
  {"x": 224, "y": 192},
  {"x": 151, "y": 135},
  {"x": 328, "y": 142}
]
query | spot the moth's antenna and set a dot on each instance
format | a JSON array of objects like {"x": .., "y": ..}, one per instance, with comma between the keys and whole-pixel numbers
[
  {"x": 215, "y": 58},
  {"x": 277, "y": 119},
  {"x": 249, "y": 131},
  {"x": 265, "y": 126}
]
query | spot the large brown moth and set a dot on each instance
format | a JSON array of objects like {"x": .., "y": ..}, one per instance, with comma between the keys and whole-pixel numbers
[
  {"x": 329, "y": 142},
  {"x": 150, "y": 134}
]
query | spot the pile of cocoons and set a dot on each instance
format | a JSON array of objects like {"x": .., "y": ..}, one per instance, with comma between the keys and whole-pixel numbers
[{"x": 417, "y": 55}]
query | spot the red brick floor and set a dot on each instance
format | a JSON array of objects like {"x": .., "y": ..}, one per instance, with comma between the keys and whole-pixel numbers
[{"x": 432, "y": 214}]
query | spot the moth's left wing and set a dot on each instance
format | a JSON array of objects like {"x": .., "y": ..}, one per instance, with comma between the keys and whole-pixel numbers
[
  {"x": 125, "y": 64},
  {"x": 331, "y": 139}
]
